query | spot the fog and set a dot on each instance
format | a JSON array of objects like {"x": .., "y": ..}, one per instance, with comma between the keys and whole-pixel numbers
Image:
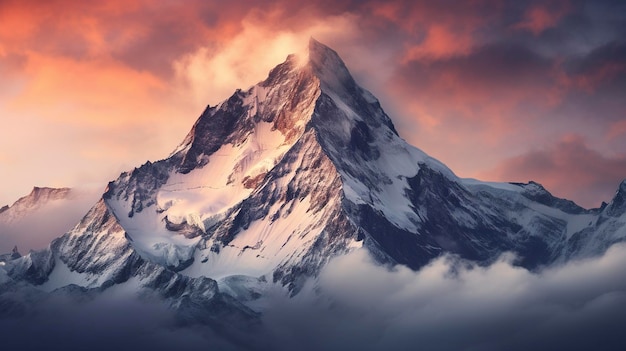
[
  {"x": 34, "y": 230},
  {"x": 356, "y": 304},
  {"x": 455, "y": 305},
  {"x": 114, "y": 320}
]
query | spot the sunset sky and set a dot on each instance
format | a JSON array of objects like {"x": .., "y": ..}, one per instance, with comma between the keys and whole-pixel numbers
[{"x": 497, "y": 90}]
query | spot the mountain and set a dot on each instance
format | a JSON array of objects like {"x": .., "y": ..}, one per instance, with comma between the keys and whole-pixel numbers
[
  {"x": 278, "y": 179},
  {"x": 44, "y": 214},
  {"x": 37, "y": 198},
  {"x": 306, "y": 165}
]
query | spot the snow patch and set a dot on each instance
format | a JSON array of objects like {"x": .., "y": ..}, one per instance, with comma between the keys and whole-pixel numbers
[{"x": 62, "y": 276}]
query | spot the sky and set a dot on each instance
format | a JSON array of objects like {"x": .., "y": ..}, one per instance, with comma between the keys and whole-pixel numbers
[{"x": 497, "y": 90}]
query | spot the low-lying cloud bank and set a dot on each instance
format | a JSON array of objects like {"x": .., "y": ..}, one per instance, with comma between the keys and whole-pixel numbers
[
  {"x": 455, "y": 305},
  {"x": 356, "y": 304}
]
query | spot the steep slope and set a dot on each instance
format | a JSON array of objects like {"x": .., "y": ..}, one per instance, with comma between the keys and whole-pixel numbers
[
  {"x": 598, "y": 232},
  {"x": 251, "y": 188}
]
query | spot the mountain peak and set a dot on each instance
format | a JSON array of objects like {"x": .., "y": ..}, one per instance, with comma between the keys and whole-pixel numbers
[
  {"x": 35, "y": 199},
  {"x": 329, "y": 67},
  {"x": 617, "y": 207}
]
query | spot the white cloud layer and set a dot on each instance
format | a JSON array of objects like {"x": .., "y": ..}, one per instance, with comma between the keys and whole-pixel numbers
[
  {"x": 356, "y": 304},
  {"x": 454, "y": 305}
]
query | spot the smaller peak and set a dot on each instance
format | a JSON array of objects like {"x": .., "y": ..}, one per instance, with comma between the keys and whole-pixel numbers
[
  {"x": 617, "y": 206},
  {"x": 47, "y": 192},
  {"x": 537, "y": 192},
  {"x": 534, "y": 188},
  {"x": 45, "y": 189},
  {"x": 620, "y": 193},
  {"x": 15, "y": 253}
]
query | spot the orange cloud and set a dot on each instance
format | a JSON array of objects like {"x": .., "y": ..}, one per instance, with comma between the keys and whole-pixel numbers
[
  {"x": 96, "y": 92},
  {"x": 539, "y": 18},
  {"x": 112, "y": 83},
  {"x": 485, "y": 88},
  {"x": 212, "y": 73},
  {"x": 106, "y": 86},
  {"x": 441, "y": 42}
]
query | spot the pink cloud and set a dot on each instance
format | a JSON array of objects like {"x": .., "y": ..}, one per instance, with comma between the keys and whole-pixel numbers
[
  {"x": 538, "y": 18},
  {"x": 117, "y": 82},
  {"x": 441, "y": 42},
  {"x": 569, "y": 168}
]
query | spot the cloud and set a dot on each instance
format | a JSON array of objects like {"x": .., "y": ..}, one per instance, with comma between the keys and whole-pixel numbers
[
  {"x": 617, "y": 130},
  {"x": 36, "y": 229},
  {"x": 110, "y": 84},
  {"x": 355, "y": 303},
  {"x": 600, "y": 68},
  {"x": 116, "y": 319},
  {"x": 212, "y": 73},
  {"x": 567, "y": 168},
  {"x": 538, "y": 18},
  {"x": 441, "y": 42},
  {"x": 455, "y": 305}
]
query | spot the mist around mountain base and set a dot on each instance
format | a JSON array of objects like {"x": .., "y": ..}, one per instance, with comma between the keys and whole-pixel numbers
[{"x": 356, "y": 303}]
